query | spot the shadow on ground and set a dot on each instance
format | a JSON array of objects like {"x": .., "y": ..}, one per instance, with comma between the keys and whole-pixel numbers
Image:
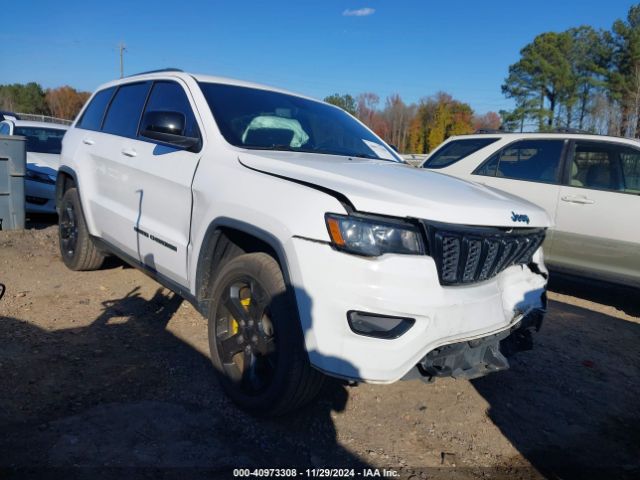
[
  {"x": 38, "y": 221},
  {"x": 124, "y": 393},
  {"x": 621, "y": 297},
  {"x": 570, "y": 406}
]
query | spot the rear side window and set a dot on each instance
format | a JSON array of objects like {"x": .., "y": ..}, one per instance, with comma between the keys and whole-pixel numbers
[
  {"x": 170, "y": 97},
  {"x": 93, "y": 114},
  {"x": 41, "y": 140},
  {"x": 456, "y": 150},
  {"x": 125, "y": 110},
  {"x": 605, "y": 166},
  {"x": 529, "y": 160},
  {"x": 630, "y": 165}
]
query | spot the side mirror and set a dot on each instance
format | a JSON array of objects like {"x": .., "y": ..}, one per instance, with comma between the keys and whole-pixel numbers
[
  {"x": 167, "y": 127},
  {"x": 395, "y": 149}
]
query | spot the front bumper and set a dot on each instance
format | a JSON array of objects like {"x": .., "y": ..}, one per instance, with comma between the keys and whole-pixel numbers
[
  {"x": 39, "y": 197},
  {"x": 329, "y": 283},
  {"x": 477, "y": 358}
]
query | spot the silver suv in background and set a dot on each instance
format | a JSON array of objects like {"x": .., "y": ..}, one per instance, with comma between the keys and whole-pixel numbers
[{"x": 588, "y": 184}]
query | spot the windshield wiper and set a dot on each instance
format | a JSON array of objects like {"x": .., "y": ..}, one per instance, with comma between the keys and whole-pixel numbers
[{"x": 289, "y": 148}]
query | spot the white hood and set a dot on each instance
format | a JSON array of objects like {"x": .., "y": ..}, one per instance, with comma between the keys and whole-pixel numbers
[{"x": 395, "y": 189}]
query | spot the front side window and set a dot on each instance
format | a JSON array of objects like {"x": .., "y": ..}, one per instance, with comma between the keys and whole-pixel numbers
[
  {"x": 94, "y": 113},
  {"x": 605, "y": 166},
  {"x": 456, "y": 150},
  {"x": 530, "y": 160},
  {"x": 168, "y": 96},
  {"x": 41, "y": 140},
  {"x": 266, "y": 120},
  {"x": 125, "y": 110},
  {"x": 4, "y": 129}
]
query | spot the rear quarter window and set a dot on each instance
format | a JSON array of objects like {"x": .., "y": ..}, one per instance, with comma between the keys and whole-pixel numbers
[
  {"x": 93, "y": 114},
  {"x": 456, "y": 150}
]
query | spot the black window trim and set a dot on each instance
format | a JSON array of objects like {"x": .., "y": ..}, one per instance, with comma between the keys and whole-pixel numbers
[
  {"x": 198, "y": 148},
  {"x": 106, "y": 111},
  {"x": 562, "y": 163},
  {"x": 566, "y": 180},
  {"x": 444, "y": 145},
  {"x": 144, "y": 106}
]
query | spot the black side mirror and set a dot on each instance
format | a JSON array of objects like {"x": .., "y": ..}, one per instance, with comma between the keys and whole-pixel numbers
[
  {"x": 395, "y": 149},
  {"x": 167, "y": 127}
]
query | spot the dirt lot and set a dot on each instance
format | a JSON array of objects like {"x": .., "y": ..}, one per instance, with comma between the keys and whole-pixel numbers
[{"x": 109, "y": 372}]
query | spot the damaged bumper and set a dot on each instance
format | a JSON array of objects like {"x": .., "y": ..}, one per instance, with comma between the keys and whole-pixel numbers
[
  {"x": 400, "y": 288},
  {"x": 479, "y": 357}
]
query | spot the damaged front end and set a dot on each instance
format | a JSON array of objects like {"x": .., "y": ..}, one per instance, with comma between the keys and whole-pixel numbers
[{"x": 478, "y": 357}]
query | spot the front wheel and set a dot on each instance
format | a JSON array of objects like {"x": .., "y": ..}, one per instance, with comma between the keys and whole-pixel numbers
[
  {"x": 255, "y": 338},
  {"x": 76, "y": 245}
]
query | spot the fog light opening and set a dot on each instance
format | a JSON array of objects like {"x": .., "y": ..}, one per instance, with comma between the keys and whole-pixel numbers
[{"x": 378, "y": 326}]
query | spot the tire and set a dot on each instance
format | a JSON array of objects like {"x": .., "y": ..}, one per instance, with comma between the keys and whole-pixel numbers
[
  {"x": 76, "y": 245},
  {"x": 256, "y": 341}
]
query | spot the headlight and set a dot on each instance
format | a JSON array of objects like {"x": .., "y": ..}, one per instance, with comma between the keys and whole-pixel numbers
[
  {"x": 373, "y": 237},
  {"x": 40, "y": 177}
]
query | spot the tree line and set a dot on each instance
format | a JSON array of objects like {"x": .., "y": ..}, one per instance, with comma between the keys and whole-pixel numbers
[
  {"x": 581, "y": 78},
  {"x": 62, "y": 102},
  {"x": 417, "y": 127}
]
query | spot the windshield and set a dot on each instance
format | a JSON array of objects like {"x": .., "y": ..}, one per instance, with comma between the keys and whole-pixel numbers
[
  {"x": 456, "y": 150},
  {"x": 41, "y": 140},
  {"x": 266, "y": 120}
]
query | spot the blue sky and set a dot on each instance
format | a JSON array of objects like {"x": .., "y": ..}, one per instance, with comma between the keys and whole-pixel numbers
[{"x": 414, "y": 48}]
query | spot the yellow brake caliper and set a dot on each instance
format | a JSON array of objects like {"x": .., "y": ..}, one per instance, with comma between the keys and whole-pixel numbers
[{"x": 234, "y": 323}]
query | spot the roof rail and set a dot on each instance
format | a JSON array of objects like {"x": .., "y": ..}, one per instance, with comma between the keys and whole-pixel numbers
[
  {"x": 489, "y": 130},
  {"x": 571, "y": 130},
  {"x": 155, "y": 71}
]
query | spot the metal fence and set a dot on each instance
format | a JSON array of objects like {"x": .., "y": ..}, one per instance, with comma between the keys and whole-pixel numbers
[{"x": 43, "y": 118}]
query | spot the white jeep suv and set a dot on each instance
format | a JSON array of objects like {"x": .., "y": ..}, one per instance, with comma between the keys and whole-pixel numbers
[{"x": 304, "y": 239}]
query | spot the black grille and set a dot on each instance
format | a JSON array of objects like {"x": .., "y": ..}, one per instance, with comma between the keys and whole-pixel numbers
[{"x": 467, "y": 254}]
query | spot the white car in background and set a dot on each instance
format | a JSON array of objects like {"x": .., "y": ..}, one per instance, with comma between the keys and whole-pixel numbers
[
  {"x": 589, "y": 185},
  {"x": 44, "y": 143}
]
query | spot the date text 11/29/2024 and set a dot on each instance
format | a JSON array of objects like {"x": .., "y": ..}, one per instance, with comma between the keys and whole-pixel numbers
[{"x": 315, "y": 473}]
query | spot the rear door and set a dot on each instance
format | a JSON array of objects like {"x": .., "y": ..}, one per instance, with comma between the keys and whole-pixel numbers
[
  {"x": 597, "y": 227},
  {"x": 530, "y": 169},
  {"x": 116, "y": 197}
]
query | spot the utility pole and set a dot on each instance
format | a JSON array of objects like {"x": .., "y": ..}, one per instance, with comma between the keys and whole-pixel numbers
[{"x": 122, "y": 48}]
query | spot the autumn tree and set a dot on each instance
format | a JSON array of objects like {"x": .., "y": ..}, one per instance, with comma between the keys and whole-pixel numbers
[
  {"x": 397, "y": 116},
  {"x": 437, "y": 118},
  {"x": 65, "y": 102},
  {"x": 488, "y": 121}
]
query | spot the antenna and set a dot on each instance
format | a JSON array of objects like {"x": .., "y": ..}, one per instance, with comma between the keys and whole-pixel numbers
[{"x": 122, "y": 47}]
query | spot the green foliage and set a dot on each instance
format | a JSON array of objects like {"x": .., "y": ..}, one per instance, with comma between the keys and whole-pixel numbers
[
  {"x": 580, "y": 78},
  {"x": 345, "y": 102},
  {"x": 28, "y": 98}
]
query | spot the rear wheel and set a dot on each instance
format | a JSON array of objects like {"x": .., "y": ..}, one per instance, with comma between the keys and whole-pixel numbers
[
  {"x": 76, "y": 245},
  {"x": 255, "y": 338}
]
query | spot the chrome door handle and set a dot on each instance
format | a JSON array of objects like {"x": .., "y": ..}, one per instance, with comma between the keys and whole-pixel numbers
[
  {"x": 129, "y": 152},
  {"x": 580, "y": 200},
  {"x": 88, "y": 141}
]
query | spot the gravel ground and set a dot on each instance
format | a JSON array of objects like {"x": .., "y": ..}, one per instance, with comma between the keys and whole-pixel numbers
[{"x": 106, "y": 374}]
